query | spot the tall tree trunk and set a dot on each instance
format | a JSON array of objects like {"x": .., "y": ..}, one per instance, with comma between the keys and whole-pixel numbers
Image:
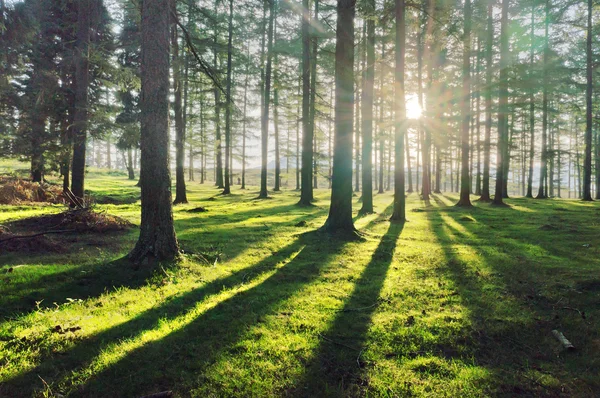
[
  {"x": 180, "y": 191},
  {"x": 529, "y": 193},
  {"x": 465, "y": 183},
  {"x": 130, "y": 170},
  {"x": 367, "y": 113},
  {"x": 485, "y": 183},
  {"x": 503, "y": 107},
  {"x": 340, "y": 211},
  {"x": 478, "y": 117},
  {"x": 361, "y": 64},
  {"x": 587, "y": 166},
  {"x": 227, "y": 179},
  {"x": 298, "y": 136},
  {"x": 264, "y": 136},
  {"x": 217, "y": 93},
  {"x": 306, "y": 190},
  {"x": 244, "y": 122},
  {"x": 157, "y": 236},
  {"x": 542, "y": 193},
  {"x": 399, "y": 213},
  {"x": 81, "y": 97},
  {"x": 313, "y": 96}
]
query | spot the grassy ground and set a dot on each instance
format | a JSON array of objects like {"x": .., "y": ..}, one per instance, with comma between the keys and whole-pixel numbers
[{"x": 453, "y": 303}]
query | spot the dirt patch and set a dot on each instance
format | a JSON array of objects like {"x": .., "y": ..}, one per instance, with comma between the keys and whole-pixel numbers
[
  {"x": 11, "y": 243},
  {"x": 82, "y": 220},
  {"x": 14, "y": 191},
  {"x": 197, "y": 210},
  {"x": 42, "y": 234}
]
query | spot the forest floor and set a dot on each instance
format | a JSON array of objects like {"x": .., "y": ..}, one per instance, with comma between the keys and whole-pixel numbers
[{"x": 455, "y": 302}]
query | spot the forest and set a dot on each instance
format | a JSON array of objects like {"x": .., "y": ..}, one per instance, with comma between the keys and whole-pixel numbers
[{"x": 312, "y": 198}]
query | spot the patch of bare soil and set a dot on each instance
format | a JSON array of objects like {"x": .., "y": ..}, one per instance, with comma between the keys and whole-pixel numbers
[
  {"x": 40, "y": 234},
  {"x": 14, "y": 191}
]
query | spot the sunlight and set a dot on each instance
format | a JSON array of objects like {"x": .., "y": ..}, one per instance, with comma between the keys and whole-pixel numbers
[{"x": 413, "y": 109}]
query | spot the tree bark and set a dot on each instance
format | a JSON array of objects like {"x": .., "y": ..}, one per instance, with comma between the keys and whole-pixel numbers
[
  {"x": 485, "y": 183},
  {"x": 157, "y": 235},
  {"x": 503, "y": 107},
  {"x": 399, "y": 214},
  {"x": 81, "y": 97},
  {"x": 465, "y": 182},
  {"x": 306, "y": 188},
  {"x": 265, "y": 111},
  {"x": 340, "y": 211},
  {"x": 367, "y": 113},
  {"x": 180, "y": 191},
  {"x": 227, "y": 179},
  {"x": 587, "y": 163}
]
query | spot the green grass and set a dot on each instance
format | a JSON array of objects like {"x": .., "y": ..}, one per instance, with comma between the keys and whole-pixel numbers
[{"x": 453, "y": 303}]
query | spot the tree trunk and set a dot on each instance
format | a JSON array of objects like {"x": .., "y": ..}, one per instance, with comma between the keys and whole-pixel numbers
[
  {"x": 529, "y": 193},
  {"x": 465, "y": 182},
  {"x": 157, "y": 236},
  {"x": 227, "y": 177},
  {"x": 306, "y": 190},
  {"x": 81, "y": 97},
  {"x": 399, "y": 214},
  {"x": 485, "y": 183},
  {"x": 340, "y": 211},
  {"x": 180, "y": 191},
  {"x": 313, "y": 97},
  {"x": 503, "y": 107},
  {"x": 587, "y": 164},
  {"x": 217, "y": 93},
  {"x": 265, "y": 111},
  {"x": 367, "y": 114},
  {"x": 542, "y": 193}
]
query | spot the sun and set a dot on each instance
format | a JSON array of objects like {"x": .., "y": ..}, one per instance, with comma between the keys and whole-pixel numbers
[{"x": 413, "y": 109}]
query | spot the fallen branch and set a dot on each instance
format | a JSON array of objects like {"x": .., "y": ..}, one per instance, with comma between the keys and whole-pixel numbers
[
  {"x": 563, "y": 340},
  {"x": 64, "y": 231},
  {"x": 581, "y": 313}
]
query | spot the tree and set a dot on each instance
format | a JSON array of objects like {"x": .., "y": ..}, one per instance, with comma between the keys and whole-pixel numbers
[
  {"x": 227, "y": 188},
  {"x": 81, "y": 97},
  {"x": 501, "y": 157},
  {"x": 399, "y": 214},
  {"x": 489, "y": 64},
  {"x": 465, "y": 182},
  {"x": 587, "y": 163},
  {"x": 264, "y": 139},
  {"x": 306, "y": 187},
  {"x": 367, "y": 113},
  {"x": 180, "y": 191},
  {"x": 157, "y": 235},
  {"x": 340, "y": 211}
]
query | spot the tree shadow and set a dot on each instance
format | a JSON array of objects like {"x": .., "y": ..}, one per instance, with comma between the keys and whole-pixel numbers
[
  {"x": 187, "y": 350},
  {"x": 338, "y": 365},
  {"x": 511, "y": 307}
]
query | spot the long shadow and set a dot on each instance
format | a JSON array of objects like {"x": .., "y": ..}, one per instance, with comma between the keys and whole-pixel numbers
[
  {"x": 511, "y": 317},
  {"x": 193, "y": 347},
  {"x": 337, "y": 366}
]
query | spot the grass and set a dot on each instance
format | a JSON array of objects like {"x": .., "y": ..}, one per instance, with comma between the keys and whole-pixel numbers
[{"x": 456, "y": 302}]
